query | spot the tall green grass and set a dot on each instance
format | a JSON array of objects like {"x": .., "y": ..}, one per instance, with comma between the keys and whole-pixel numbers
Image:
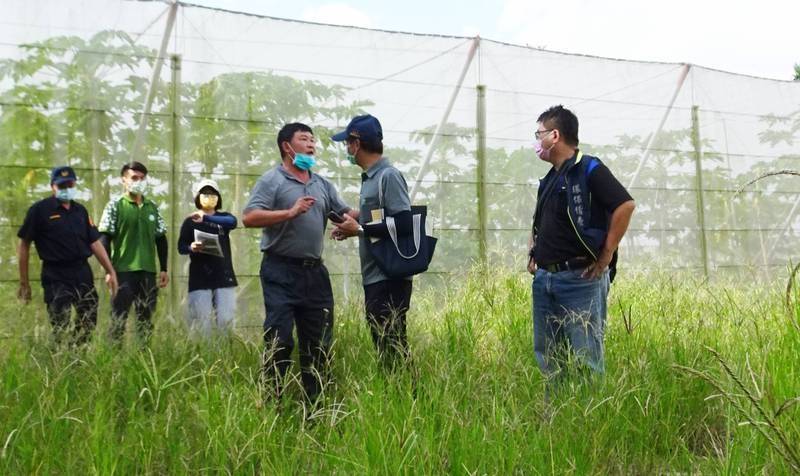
[{"x": 700, "y": 379}]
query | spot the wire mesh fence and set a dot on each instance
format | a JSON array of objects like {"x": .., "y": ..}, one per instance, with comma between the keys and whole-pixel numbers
[{"x": 209, "y": 90}]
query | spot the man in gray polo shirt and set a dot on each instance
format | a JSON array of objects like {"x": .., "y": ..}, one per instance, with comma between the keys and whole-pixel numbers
[
  {"x": 386, "y": 300},
  {"x": 291, "y": 205}
]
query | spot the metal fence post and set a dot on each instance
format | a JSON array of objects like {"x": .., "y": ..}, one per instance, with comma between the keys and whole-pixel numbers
[
  {"x": 698, "y": 166},
  {"x": 481, "y": 172},
  {"x": 175, "y": 96}
]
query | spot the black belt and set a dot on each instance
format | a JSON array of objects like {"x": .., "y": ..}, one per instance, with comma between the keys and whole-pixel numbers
[
  {"x": 302, "y": 262},
  {"x": 571, "y": 264}
]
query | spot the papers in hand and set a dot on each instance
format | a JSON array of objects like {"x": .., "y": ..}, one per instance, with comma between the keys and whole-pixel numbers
[
  {"x": 210, "y": 243},
  {"x": 376, "y": 215}
]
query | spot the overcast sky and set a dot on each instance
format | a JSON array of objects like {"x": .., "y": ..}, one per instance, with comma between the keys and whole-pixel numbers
[{"x": 758, "y": 38}]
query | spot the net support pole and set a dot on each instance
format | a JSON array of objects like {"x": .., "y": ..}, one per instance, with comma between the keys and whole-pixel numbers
[
  {"x": 175, "y": 95},
  {"x": 787, "y": 225},
  {"x": 151, "y": 88},
  {"x": 651, "y": 141},
  {"x": 698, "y": 167},
  {"x": 480, "y": 155},
  {"x": 436, "y": 134}
]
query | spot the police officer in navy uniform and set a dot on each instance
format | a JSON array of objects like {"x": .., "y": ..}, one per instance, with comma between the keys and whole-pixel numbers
[{"x": 65, "y": 237}]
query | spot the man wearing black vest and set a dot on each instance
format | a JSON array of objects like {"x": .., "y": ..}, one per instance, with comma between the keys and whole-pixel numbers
[{"x": 582, "y": 212}]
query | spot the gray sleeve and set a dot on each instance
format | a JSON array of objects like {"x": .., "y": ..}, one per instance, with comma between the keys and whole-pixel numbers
[
  {"x": 263, "y": 195},
  {"x": 337, "y": 204},
  {"x": 395, "y": 192}
]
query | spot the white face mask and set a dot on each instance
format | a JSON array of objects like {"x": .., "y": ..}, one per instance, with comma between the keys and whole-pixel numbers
[
  {"x": 66, "y": 194},
  {"x": 138, "y": 188}
]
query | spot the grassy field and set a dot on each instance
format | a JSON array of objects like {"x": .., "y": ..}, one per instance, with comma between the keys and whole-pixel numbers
[{"x": 701, "y": 379}]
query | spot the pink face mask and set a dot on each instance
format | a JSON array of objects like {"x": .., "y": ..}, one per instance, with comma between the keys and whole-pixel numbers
[{"x": 543, "y": 153}]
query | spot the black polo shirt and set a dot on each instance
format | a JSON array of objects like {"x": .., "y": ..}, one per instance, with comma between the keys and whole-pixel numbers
[
  {"x": 62, "y": 236},
  {"x": 556, "y": 241}
]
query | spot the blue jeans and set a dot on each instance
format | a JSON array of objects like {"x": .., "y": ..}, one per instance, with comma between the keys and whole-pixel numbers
[
  {"x": 569, "y": 312},
  {"x": 204, "y": 303}
]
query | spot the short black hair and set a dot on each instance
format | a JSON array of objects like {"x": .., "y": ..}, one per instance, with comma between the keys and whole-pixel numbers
[
  {"x": 135, "y": 166},
  {"x": 287, "y": 132},
  {"x": 561, "y": 118},
  {"x": 375, "y": 147},
  {"x": 197, "y": 198}
]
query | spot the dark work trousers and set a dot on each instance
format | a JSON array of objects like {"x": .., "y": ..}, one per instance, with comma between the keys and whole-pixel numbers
[
  {"x": 65, "y": 287},
  {"x": 296, "y": 294},
  {"x": 387, "y": 303},
  {"x": 137, "y": 288}
]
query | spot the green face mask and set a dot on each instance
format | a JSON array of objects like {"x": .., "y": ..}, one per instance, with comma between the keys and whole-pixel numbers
[{"x": 351, "y": 158}]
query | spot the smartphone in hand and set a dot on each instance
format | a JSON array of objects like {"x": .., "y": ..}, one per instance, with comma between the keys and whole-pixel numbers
[{"x": 335, "y": 217}]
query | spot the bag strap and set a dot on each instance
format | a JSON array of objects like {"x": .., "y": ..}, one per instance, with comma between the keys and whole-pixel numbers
[
  {"x": 390, "y": 225},
  {"x": 380, "y": 188}
]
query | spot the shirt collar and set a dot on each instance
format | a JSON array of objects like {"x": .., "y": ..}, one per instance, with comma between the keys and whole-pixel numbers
[
  {"x": 127, "y": 198},
  {"x": 312, "y": 177},
  {"x": 55, "y": 204},
  {"x": 375, "y": 168},
  {"x": 576, "y": 157}
]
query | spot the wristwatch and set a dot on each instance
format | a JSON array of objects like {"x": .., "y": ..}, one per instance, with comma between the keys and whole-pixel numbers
[{"x": 360, "y": 230}]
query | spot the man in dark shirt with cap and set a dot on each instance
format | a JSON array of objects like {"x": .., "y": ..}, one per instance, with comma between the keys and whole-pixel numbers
[
  {"x": 582, "y": 213},
  {"x": 65, "y": 237},
  {"x": 383, "y": 192}
]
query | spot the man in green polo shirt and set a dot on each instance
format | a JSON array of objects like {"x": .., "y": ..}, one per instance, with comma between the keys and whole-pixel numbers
[{"x": 134, "y": 233}]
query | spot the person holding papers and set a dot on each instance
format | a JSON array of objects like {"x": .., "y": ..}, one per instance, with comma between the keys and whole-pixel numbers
[{"x": 212, "y": 282}]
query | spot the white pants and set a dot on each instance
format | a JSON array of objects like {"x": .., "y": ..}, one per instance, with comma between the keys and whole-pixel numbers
[{"x": 203, "y": 303}]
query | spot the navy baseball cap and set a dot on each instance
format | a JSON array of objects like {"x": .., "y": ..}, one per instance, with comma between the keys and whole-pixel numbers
[
  {"x": 62, "y": 174},
  {"x": 366, "y": 128}
]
